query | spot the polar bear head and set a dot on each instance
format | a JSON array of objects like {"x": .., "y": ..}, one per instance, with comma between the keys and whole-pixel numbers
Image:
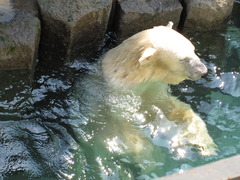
[
  {"x": 173, "y": 54},
  {"x": 157, "y": 54}
]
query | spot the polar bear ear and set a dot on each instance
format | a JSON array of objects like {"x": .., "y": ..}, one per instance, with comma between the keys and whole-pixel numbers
[
  {"x": 170, "y": 24},
  {"x": 147, "y": 53}
]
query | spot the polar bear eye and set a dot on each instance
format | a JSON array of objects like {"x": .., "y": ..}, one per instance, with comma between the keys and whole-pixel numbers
[{"x": 187, "y": 59}]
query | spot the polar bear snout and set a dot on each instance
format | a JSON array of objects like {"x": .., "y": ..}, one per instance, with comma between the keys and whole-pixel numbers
[{"x": 197, "y": 69}]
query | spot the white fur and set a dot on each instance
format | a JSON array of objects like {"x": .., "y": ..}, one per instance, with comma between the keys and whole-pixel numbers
[{"x": 146, "y": 63}]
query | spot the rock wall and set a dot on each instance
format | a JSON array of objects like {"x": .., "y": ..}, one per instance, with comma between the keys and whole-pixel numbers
[
  {"x": 69, "y": 25},
  {"x": 19, "y": 41},
  {"x": 134, "y": 16},
  {"x": 207, "y": 14}
]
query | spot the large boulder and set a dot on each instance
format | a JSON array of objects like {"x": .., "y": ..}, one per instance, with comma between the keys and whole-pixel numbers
[
  {"x": 29, "y": 6},
  {"x": 70, "y": 25},
  {"x": 207, "y": 14},
  {"x": 134, "y": 16},
  {"x": 19, "y": 41}
]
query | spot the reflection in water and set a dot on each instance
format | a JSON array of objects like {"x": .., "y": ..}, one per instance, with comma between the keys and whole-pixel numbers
[
  {"x": 46, "y": 130},
  {"x": 33, "y": 149}
]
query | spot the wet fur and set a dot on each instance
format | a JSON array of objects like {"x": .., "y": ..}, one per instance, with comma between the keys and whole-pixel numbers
[{"x": 160, "y": 56}]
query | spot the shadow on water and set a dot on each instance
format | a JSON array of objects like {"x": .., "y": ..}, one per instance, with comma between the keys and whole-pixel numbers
[{"x": 41, "y": 137}]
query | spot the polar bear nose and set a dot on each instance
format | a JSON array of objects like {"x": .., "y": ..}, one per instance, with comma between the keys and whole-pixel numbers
[
  {"x": 200, "y": 70},
  {"x": 197, "y": 69}
]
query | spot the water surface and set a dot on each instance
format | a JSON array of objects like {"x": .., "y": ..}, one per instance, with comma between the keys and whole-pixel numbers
[{"x": 46, "y": 132}]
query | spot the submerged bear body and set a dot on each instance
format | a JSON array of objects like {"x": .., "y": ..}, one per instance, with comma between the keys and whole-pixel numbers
[
  {"x": 160, "y": 56},
  {"x": 129, "y": 95}
]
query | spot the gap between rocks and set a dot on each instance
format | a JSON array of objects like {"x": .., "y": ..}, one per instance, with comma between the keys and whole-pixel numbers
[
  {"x": 183, "y": 16},
  {"x": 113, "y": 17}
]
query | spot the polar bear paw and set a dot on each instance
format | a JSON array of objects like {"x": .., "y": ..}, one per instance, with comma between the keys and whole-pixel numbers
[
  {"x": 197, "y": 134},
  {"x": 208, "y": 149}
]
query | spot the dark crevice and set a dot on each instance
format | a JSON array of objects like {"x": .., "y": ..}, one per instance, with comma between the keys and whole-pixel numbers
[
  {"x": 113, "y": 18},
  {"x": 112, "y": 27},
  {"x": 183, "y": 16}
]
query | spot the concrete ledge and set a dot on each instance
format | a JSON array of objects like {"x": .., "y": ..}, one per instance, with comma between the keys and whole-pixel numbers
[{"x": 226, "y": 169}]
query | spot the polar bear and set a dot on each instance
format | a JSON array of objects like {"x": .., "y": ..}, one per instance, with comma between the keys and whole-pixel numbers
[
  {"x": 7, "y": 12},
  {"x": 147, "y": 63}
]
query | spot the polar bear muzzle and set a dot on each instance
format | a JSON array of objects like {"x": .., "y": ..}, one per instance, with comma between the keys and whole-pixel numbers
[{"x": 196, "y": 69}]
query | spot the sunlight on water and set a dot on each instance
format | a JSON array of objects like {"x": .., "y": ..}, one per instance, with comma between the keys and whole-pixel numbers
[
  {"x": 66, "y": 123},
  {"x": 140, "y": 142}
]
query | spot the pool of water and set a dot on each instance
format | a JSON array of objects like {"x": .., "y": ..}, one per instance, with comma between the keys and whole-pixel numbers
[{"x": 48, "y": 132}]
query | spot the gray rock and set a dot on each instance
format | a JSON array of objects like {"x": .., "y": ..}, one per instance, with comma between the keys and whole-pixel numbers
[
  {"x": 134, "y": 16},
  {"x": 69, "y": 25},
  {"x": 207, "y": 14},
  {"x": 29, "y": 6},
  {"x": 19, "y": 41}
]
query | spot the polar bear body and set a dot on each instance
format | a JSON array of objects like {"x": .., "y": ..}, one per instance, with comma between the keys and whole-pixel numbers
[{"x": 146, "y": 63}]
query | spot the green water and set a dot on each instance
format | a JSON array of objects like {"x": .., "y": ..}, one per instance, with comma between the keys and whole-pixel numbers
[{"x": 47, "y": 132}]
